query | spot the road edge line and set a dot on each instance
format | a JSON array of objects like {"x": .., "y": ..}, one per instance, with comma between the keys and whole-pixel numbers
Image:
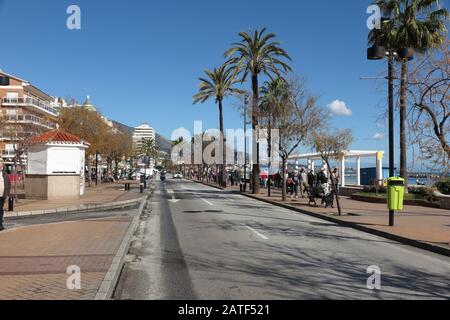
[{"x": 109, "y": 283}]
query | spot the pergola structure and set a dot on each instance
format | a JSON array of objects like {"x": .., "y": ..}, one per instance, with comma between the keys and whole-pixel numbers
[{"x": 357, "y": 155}]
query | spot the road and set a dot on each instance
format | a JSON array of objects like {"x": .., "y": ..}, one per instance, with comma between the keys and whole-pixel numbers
[{"x": 196, "y": 242}]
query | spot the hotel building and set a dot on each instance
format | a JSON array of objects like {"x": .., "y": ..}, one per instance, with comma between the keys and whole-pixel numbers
[{"x": 25, "y": 111}]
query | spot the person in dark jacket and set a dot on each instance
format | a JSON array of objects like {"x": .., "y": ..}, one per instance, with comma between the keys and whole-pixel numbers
[{"x": 5, "y": 189}]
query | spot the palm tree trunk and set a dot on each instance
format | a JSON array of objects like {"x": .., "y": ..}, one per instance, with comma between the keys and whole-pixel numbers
[
  {"x": 256, "y": 169},
  {"x": 403, "y": 147},
  {"x": 269, "y": 153},
  {"x": 223, "y": 165}
]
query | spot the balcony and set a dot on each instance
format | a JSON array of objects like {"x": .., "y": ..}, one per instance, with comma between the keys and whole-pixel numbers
[
  {"x": 30, "y": 119},
  {"x": 30, "y": 102}
]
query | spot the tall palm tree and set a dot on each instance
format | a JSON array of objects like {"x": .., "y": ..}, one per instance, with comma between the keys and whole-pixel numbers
[
  {"x": 218, "y": 85},
  {"x": 149, "y": 150},
  {"x": 417, "y": 24},
  {"x": 257, "y": 54}
]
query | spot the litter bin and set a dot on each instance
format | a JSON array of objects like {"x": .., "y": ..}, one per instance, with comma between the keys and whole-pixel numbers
[{"x": 395, "y": 193}]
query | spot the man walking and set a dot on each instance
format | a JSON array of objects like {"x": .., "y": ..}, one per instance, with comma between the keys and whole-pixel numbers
[{"x": 5, "y": 188}]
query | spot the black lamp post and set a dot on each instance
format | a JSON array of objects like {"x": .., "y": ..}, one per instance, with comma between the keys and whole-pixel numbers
[{"x": 378, "y": 53}]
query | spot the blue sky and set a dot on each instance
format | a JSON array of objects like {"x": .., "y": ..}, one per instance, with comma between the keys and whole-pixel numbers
[{"x": 140, "y": 60}]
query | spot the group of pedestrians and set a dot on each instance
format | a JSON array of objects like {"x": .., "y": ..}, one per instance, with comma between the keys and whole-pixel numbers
[{"x": 300, "y": 182}]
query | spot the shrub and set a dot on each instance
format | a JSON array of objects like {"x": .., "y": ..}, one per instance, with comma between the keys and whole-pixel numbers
[
  {"x": 444, "y": 186},
  {"x": 373, "y": 189}
]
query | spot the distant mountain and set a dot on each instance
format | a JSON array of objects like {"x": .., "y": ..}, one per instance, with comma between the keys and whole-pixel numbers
[{"x": 162, "y": 143}]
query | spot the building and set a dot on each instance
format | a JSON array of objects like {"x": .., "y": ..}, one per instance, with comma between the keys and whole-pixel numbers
[
  {"x": 142, "y": 132},
  {"x": 56, "y": 158},
  {"x": 25, "y": 111}
]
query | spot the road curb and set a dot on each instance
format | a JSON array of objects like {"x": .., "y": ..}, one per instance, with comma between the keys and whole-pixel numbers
[
  {"x": 383, "y": 234},
  {"x": 109, "y": 283},
  {"x": 76, "y": 209}
]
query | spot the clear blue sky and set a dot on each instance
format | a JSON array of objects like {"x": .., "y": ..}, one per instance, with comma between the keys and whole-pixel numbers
[{"x": 140, "y": 60}]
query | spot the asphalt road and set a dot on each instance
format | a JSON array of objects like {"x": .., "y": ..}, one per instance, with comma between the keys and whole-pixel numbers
[{"x": 196, "y": 242}]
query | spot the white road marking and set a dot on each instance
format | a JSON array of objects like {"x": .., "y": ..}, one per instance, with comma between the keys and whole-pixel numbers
[
  {"x": 172, "y": 194},
  {"x": 257, "y": 233},
  {"x": 204, "y": 200}
]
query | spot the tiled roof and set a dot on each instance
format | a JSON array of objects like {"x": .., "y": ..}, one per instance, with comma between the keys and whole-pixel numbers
[{"x": 58, "y": 135}]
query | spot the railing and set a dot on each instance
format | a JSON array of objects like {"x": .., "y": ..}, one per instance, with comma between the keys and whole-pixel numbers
[
  {"x": 30, "y": 119},
  {"x": 33, "y": 102}
]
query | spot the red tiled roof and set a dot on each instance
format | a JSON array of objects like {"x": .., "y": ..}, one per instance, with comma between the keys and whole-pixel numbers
[{"x": 58, "y": 135}]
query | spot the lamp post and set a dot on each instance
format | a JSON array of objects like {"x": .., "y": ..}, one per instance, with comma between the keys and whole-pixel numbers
[
  {"x": 378, "y": 53},
  {"x": 245, "y": 142}
]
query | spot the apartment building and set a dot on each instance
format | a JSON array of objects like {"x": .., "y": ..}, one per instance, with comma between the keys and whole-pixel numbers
[
  {"x": 142, "y": 132},
  {"x": 25, "y": 111}
]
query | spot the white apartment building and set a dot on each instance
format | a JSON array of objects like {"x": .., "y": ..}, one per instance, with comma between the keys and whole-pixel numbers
[{"x": 144, "y": 131}]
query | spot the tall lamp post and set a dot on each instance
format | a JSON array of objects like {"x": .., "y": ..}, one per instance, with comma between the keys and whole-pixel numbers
[
  {"x": 245, "y": 142},
  {"x": 378, "y": 53}
]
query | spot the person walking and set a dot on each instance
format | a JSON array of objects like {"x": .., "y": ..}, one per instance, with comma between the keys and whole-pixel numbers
[
  {"x": 5, "y": 189},
  {"x": 303, "y": 182},
  {"x": 295, "y": 185},
  {"x": 336, "y": 179}
]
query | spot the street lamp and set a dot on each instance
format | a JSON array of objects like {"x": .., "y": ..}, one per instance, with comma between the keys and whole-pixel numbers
[
  {"x": 245, "y": 142},
  {"x": 378, "y": 53}
]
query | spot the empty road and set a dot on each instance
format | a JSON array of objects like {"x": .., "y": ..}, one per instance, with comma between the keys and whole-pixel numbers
[{"x": 196, "y": 242}]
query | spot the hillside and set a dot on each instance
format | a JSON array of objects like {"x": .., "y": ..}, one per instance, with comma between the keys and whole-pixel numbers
[{"x": 162, "y": 143}]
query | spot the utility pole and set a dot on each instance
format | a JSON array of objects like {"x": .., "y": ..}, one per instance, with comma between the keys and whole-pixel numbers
[{"x": 245, "y": 142}]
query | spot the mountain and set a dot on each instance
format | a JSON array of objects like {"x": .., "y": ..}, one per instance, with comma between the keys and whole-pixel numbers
[{"x": 162, "y": 143}]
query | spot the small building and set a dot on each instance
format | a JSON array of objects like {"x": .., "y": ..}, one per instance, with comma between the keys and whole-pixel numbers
[{"x": 56, "y": 166}]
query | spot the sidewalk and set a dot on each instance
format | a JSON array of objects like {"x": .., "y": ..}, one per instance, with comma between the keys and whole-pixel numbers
[
  {"x": 34, "y": 260},
  {"x": 429, "y": 225},
  {"x": 102, "y": 194}
]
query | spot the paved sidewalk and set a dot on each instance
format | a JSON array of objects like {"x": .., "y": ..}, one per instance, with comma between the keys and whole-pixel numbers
[
  {"x": 34, "y": 260},
  {"x": 430, "y": 225},
  {"x": 102, "y": 194}
]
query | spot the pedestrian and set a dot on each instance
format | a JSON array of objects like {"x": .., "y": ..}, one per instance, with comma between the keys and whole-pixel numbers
[
  {"x": 303, "y": 182},
  {"x": 5, "y": 189},
  {"x": 337, "y": 179},
  {"x": 295, "y": 185}
]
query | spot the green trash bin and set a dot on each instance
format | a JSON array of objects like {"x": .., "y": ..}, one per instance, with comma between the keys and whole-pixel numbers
[{"x": 395, "y": 193}]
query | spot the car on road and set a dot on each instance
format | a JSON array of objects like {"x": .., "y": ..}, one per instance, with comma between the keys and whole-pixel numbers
[{"x": 178, "y": 175}]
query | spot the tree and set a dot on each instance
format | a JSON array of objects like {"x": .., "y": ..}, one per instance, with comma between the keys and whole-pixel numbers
[
  {"x": 429, "y": 91},
  {"x": 218, "y": 85},
  {"x": 149, "y": 150},
  {"x": 257, "y": 54},
  {"x": 331, "y": 145},
  {"x": 89, "y": 126},
  {"x": 417, "y": 24},
  {"x": 295, "y": 114}
]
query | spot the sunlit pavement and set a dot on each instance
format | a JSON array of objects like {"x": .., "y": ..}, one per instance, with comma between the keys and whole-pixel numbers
[{"x": 196, "y": 242}]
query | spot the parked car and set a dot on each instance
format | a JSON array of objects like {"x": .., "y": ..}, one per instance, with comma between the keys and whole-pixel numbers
[{"x": 178, "y": 175}]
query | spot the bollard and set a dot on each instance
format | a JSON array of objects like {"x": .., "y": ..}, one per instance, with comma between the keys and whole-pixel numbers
[
  {"x": 142, "y": 188},
  {"x": 10, "y": 204}
]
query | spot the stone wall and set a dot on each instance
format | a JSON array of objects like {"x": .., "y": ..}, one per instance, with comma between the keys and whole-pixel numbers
[{"x": 52, "y": 187}]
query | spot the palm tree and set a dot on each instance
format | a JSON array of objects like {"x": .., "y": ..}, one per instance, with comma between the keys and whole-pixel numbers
[
  {"x": 149, "y": 150},
  {"x": 218, "y": 85},
  {"x": 417, "y": 24},
  {"x": 257, "y": 54}
]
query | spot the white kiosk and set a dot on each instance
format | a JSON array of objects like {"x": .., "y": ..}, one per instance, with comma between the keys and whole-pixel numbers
[{"x": 56, "y": 166}]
